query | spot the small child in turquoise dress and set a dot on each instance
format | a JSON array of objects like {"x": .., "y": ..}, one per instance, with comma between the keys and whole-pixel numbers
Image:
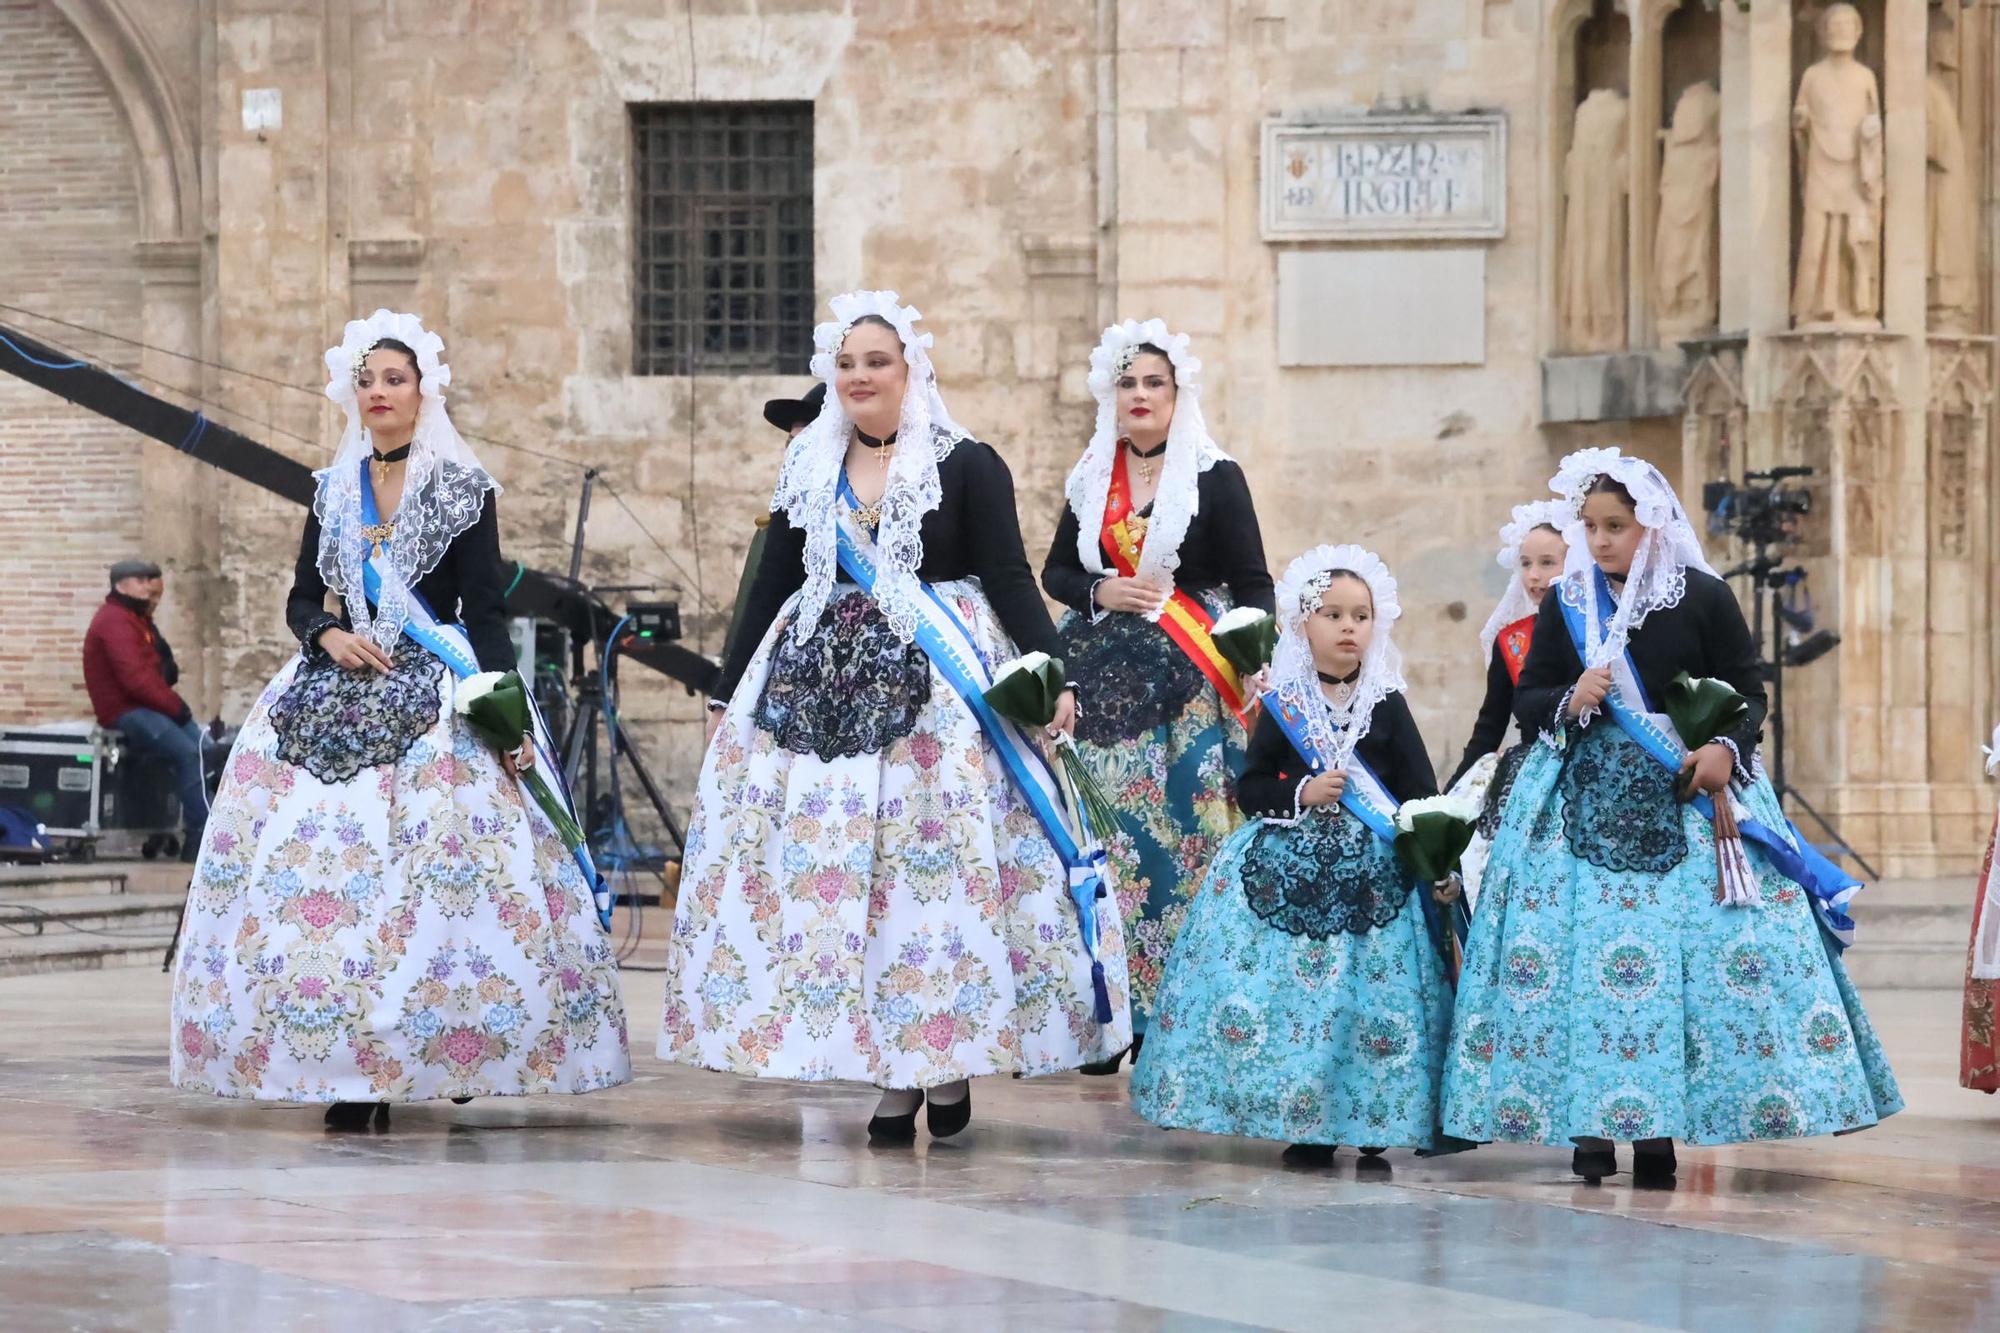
[{"x": 1305, "y": 999}]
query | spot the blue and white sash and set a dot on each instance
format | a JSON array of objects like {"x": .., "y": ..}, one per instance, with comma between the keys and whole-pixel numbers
[
  {"x": 450, "y": 645},
  {"x": 950, "y": 648},
  {"x": 1362, "y": 795},
  {"x": 1829, "y": 887}
]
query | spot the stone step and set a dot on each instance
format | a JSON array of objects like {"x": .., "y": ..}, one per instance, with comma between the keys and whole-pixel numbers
[
  {"x": 67, "y": 951},
  {"x": 37, "y": 883},
  {"x": 124, "y": 914},
  {"x": 1882, "y": 964}
]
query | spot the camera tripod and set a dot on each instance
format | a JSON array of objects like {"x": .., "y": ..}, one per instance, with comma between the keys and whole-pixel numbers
[
  {"x": 595, "y": 787},
  {"x": 1764, "y": 570}
]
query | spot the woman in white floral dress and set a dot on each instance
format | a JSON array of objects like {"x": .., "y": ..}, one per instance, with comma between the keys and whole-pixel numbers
[
  {"x": 869, "y": 894},
  {"x": 378, "y": 915}
]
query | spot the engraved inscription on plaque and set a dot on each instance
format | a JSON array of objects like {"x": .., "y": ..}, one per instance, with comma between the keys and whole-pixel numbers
[{"x": 1386, "y": 177}]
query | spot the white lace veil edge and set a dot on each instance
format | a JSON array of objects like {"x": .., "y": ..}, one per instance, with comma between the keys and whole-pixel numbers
[
  {"x": 1668, "y": 549},
  {"x": 1335, "y": 732},
  {"x": 1515, "y": 604},
  {"x": 1191, "y": 451},
  {"x": 809, "y": 481},
  {"x": 444, "y": 488}
]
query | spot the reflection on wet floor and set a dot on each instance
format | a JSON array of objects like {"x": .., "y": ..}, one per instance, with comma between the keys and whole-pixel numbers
[{"x": 698, "y": 1200}]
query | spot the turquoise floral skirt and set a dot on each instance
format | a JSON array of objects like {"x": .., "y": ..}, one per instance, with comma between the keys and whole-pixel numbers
[
  {"x": 1606, "y": 994},
  {"x": 1306, "y": 1020},
  {"x": 1166, "y": 749}
]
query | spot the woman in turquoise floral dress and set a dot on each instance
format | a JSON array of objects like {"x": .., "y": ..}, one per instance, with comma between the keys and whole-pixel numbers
[
  {"x": 1158, "y": 540},
  {"x": 1608, "y": 991},
  {"x": 1305, "y": 999}
]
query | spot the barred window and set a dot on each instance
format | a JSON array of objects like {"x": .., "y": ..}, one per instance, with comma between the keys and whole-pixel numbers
[{"x": 724, "y": 238}]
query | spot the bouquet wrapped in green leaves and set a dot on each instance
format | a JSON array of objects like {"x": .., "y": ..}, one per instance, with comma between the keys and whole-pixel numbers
[
  {"x": 1432, "y": 832},
  {"x": 1025, "y": 692},
  {"x": 495, "y": 703},
  {"x": 1702, "y": 710},
  {"x": 1246, "y": 637}
]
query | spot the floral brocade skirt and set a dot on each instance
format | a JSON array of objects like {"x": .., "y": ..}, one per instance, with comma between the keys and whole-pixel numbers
[
  {"x": 1979, "y": 1044},
  {"x": 378, "y": 913},
  {"x": 1166, "y": 750},
  {"x": 1605, "y": 993},
  {"x": 865, "y": 896},
  {"x": 1305, "y": 1000}
]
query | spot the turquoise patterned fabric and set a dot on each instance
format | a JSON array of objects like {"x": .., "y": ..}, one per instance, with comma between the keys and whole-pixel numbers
[
  {"x": 1627, "y": 1003},
  {"x": 1336, "y": 1037}
]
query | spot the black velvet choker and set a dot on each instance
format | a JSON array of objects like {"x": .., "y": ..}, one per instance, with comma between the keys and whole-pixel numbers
[
  {"x": 871, "y": 441},
  {"x": 1154, "y": 452},
  {"x": 394, "y": 455},
  {"x": 1347, "y": 679}
]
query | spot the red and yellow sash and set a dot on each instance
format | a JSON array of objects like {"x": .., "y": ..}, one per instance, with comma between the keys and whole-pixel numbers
[
  {"x": 1122, "y": 536},
  {"x": 1514, "y": 642}
]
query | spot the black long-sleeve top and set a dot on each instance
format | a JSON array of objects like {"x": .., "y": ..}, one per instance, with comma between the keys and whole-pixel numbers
[
  {"x": 1222, "y": 547},
  {"x": 465, "y": 586},
  {"x": 1273, "y": 770},
  {"x": 974, "y": 532},
  {"x": 1490, "y": 728},
  {"x": 1704, "y": 635}
]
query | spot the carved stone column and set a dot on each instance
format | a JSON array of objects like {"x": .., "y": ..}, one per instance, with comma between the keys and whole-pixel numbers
[{"x": 1961, "y": 551}]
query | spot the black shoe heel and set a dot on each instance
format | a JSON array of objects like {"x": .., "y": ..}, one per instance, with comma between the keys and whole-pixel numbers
[
  {"x": 1594, "y": 1164},
  {"x": 895, "y": 1128},
  {"x": 349, "y": 1117},
  {"x": 951, "y": 1117}
]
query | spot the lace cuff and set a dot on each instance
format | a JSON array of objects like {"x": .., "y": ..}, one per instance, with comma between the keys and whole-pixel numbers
[
  {"x": 1097, "y": 612},
  {"x": 1744, "y": 773},
  {"x": 318, "y": 625},
  {"x": 1557, "y": 733}
]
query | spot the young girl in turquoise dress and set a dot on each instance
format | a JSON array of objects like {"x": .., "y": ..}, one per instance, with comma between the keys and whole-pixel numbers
[
  {"x": 1305, "y": 999},
  {"x": 1609, "y": 990}
]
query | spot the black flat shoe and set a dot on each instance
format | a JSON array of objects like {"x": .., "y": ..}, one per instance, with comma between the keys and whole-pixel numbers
[
  {"x": 895, "y": 1128},
  {"x": 1313, "y": 1155},
  {"x": 1373, "y": 1152},
  {"x": 1653, "y": 1163},
  {"x": 349, "y": 1117},
  {"x": 461, "y": 1101},
  {"x": 1099, "y": 1068},
  {"x": 949, "y": 1118},
  {"x": 1594, "y": 1164}
]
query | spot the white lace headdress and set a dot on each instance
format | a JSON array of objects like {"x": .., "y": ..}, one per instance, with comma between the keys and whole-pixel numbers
[
  {"x": 444, "y": 486},
  {"x": 1667, "y": 550},
  {"x": 1335, "y": 731},
  {"x": 1515, "y": 604},
  {"x": 1190, "y": 451},
  {"x": 809, "y": 483}
]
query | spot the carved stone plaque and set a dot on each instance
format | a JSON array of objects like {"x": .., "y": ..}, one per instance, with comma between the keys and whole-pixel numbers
[{"x": 1372, "y": 178}]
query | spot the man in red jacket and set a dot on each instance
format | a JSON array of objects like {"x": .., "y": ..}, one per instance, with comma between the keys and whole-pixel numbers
[{"x": 130, "y": 673}]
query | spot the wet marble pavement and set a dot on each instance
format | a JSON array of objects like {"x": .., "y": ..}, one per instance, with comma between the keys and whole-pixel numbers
[{"x": 692, "y": 1200}]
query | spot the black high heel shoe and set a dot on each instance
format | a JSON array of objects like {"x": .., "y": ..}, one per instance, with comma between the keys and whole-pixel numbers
[
  {"x": 895, "y": 1128},
  {"x": 1653, "y": 1164},
  {"x": 350, "y": 1117},
  {"x": 1594, "y": 1164},
  {"x": 948, "y": 1118}
]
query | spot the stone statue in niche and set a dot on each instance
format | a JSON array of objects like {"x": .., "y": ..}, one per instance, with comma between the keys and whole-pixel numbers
[
  {"x": 1685, "y": 280},
  {"x": 1952, "y": 286},
  {"x": 1590, "y": 292},
  {"x": 1837, "y": 132}
]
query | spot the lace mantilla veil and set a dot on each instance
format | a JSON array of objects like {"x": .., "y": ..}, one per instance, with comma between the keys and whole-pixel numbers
[
  {"x": 809, "y": 482},
  {"x": 1335, "y": 731},
  {"x": 1515, "y": 604},
  {"x": 1190, "y": 451},
  {"x": 1669, "y": 548},
  {"x": 444, "y": 487}
]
